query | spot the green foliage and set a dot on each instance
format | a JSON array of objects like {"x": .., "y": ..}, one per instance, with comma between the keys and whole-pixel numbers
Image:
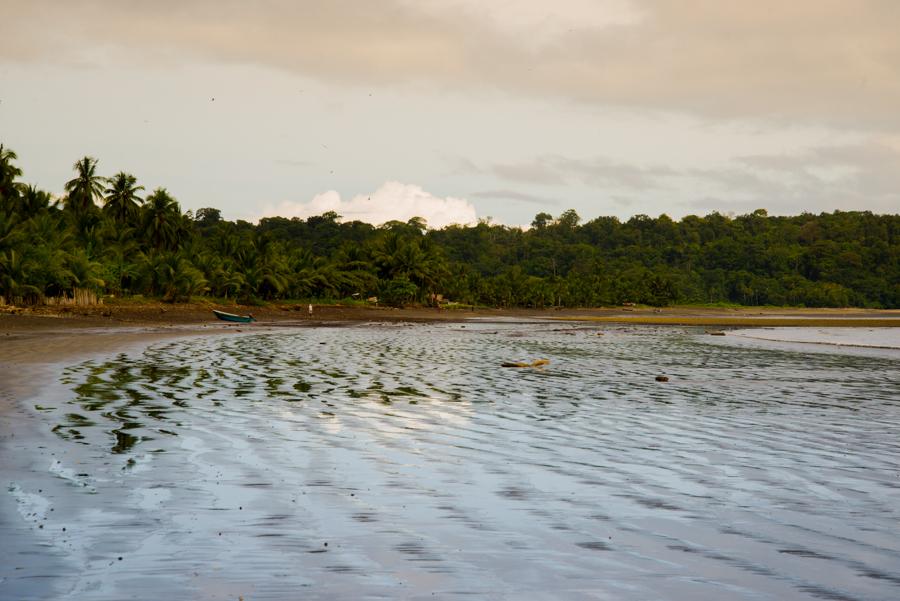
[
  {"x": 207, "y": 216},
  {"x": 16, "y": 273},
  {"x": 161, "y": 221},
  {"x": 9, "y": 188},
  {"x": 149, "y": 247},
  {"x": 397, "y": 291},
  {"x": 123, "y": 204},
  {"x": 172, "y": 277},
  {"x": 85, "y": 187}
]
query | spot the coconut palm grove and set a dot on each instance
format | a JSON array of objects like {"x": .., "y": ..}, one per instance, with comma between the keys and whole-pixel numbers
[{"x": 110, "y": 236}]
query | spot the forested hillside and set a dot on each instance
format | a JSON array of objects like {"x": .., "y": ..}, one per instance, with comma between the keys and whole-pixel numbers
[{"x": 111, "y": 236}]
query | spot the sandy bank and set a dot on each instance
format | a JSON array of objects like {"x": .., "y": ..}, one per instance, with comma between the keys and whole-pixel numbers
[
  {"x": 147, "y": 313},
  {"x": 767, "y": 321},
  {"x": 32, "y": 347}
]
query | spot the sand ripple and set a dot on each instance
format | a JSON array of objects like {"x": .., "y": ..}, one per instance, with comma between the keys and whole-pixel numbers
[{"x": 397, "y": 462}]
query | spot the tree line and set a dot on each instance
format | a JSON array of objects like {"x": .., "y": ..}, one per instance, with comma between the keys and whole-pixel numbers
[{"x": 111, "y": 236}]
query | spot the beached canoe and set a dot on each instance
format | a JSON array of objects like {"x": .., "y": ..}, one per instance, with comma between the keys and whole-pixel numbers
[{"x": 232, "y": 317}]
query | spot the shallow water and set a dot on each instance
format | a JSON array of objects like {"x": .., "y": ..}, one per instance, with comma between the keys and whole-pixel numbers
[
  {"x": 887, "y": 338},
  {"x": 403, "y": 462}
]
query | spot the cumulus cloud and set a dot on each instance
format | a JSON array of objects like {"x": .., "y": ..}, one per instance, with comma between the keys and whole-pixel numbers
[
  {"x": 393, "y": 201},
  {"x": 835, "y": 62}
]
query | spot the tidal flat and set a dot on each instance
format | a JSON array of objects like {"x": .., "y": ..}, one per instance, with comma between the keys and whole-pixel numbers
[{"x": 384, "y": 461}]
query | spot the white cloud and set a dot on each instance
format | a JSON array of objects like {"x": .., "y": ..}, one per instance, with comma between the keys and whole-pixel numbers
[{"x": 392, "y": 201}]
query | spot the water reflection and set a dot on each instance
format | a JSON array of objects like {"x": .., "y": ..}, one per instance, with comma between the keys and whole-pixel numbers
[{"x": 403, "y": 461}]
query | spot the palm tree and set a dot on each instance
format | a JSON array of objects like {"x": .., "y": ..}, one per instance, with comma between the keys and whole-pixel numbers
[
  {"x": 162, "y": 217},
  {"x": 418, "y": 260},
  {"x": 33, "y": 200},
  {"x": 85, "y": 187},
  {"x": 221, "y": 274},
  {"x": 120, "y": 257},
  {"x": 264, "y": 266},
  {"x": 10, "y": 235},
  {"x": 9, "y": 188},
  {"x": 434, "y": 266},
  {"x": 173, "y": 276},
  {"x": 319, "y": 279},
  {"x": 357, "y": 269},
  {"x": 86, "y": 273},
  {"x": 122, "y": 201},
  {"x": 14, "y": 276}
]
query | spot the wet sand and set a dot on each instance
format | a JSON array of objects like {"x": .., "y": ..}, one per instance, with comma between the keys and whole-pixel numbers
[
  {"x": 42, "y": 336},
  {"x": 32, "y": 349},
  {"x": 398, "y": 460},
  {"x": 45, "y": 336},
  {"x": 751, "y": 319},
  {"x": 165, "y": 314},
  {"x": 860, "y": 337}
]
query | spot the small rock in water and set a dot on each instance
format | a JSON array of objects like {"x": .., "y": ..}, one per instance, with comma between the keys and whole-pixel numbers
[{"x": 662, "y": 378}]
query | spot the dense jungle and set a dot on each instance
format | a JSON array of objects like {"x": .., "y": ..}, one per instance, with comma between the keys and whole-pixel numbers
[{"x": 108, "y": 235}]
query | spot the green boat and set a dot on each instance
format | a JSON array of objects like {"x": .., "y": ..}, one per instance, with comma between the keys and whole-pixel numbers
[{"x": 232, "y": 317}]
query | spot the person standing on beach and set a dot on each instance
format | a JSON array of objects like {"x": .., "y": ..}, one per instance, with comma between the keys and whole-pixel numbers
[{"x": 310, "y": 309}]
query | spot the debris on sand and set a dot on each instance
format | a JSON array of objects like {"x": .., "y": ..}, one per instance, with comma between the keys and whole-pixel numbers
[
  {"x": 715, "y": 332},
  {"x": 535, "y": 363}
]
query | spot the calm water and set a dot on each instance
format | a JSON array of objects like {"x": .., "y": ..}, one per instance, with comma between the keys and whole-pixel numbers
[
  {"x": 384, "y": 462},
  {"x": 887, "y": 338}
]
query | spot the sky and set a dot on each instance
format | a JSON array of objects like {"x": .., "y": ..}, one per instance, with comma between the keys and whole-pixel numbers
[{"x": 459, "y": 110}]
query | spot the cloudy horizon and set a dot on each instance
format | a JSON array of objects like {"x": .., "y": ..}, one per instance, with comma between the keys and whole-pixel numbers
[{"x": 461, "y": 110}]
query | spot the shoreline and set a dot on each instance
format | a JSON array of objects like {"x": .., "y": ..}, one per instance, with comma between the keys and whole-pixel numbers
[
  {"x": 842, "y": 340},
  {"x": 52, "y": 334},
  {"x": 33, "y": 340},
  {"x": 32, "y": 353},
  {"x": 748, "y": 321},
  {"x": 153, "y": 313}
]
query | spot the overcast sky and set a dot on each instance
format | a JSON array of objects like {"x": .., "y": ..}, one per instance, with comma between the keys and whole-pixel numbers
[{"x": 462, "y": 109}]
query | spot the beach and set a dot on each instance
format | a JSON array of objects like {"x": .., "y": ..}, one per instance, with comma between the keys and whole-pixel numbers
[
  {"x": 48, "y": 335},
  {"x": 389, "y": 455},
  {"x": 43, "y": 336}
]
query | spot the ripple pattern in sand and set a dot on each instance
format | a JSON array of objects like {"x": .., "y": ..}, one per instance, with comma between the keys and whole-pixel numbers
[{"x": 401, "y": 461}]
